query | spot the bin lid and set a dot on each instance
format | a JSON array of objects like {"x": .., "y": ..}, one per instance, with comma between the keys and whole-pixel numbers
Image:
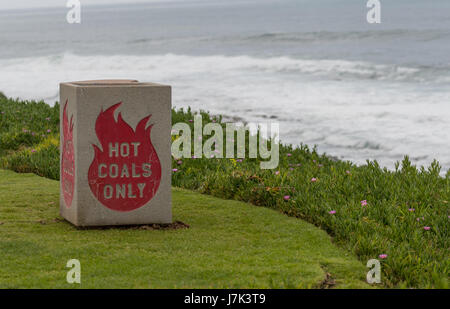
[
  {"x": 112, "y": 83},
  {"x": 106, "y": 82}
]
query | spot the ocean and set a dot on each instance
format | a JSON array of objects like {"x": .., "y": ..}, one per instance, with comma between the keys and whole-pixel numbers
[{"x": 356, "y": 90}]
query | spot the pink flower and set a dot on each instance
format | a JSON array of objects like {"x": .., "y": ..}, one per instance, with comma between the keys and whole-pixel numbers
[
  {"x": 48, "y": 131},
  {"x": 238, "y": 160},
  {"x": 286, "y": 197},
  {"x": 190, "y": 120},
  {"x": 313, "y": 179},
  {"x": 33, "y": 150},
  {"x": 277, "y": 173},
  {"x": 348, "y": 172},
  {"x": 179, "y": 162},
  {"x": 382, "y": 256},
  {"x": 364, "y": 203},
  {"x": 426, "y": 228},
  {"x": 48, "y": 118},
  {"x": 411, "y": 209},
  {"x": 289, "y": 154},
  {"x": 174, "y": 170},
  {"x": 332, "y": 212},
  {"x": 291, "y": 169}
]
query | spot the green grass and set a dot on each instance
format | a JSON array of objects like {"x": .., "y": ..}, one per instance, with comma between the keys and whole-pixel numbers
[
  {"x": 400, "y": 202},
  {"x": 229, "y": 244}
]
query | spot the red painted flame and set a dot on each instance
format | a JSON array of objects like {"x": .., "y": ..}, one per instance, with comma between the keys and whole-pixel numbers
[
  {"x": 125, "y": 173},
  {"x": 68, "y": 159}
]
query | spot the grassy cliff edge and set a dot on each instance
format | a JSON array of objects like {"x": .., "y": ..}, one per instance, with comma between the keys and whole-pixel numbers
[{"x": 400, "y": 217}]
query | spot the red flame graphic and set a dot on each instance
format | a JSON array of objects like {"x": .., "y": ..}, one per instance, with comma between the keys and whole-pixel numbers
[
  {"x": 125, "y": 173},
  {"x": 68, "y": 159}
]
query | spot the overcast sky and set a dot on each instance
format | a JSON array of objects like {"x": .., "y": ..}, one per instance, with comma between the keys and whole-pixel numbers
[{"x": 23, "y": 4}]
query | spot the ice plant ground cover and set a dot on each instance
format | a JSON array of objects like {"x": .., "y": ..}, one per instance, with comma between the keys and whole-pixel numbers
[
  {"x": 229, "y": 244},
  {"x": 400, "y": 217}
]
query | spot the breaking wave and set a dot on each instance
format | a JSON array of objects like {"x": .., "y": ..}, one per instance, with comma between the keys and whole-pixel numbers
[
  {"x": 169, "y": 64},
  {"x": 352, "y": 109}
]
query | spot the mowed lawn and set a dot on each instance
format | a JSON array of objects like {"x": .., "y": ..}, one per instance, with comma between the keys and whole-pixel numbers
[{"x": 229, "y": 244}]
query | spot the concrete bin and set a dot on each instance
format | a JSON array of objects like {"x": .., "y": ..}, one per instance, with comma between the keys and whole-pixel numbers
[{"x": 115, "y": 152}]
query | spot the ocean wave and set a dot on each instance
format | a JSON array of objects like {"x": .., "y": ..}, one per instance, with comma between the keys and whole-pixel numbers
[
  {"x": 350, "y": 117},
  {"x": 324, "y": 36},
  {"x": 170, "y": 64}
]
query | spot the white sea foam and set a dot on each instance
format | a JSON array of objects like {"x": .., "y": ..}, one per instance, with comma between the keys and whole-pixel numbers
[{"x": 353, "y": 110}]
